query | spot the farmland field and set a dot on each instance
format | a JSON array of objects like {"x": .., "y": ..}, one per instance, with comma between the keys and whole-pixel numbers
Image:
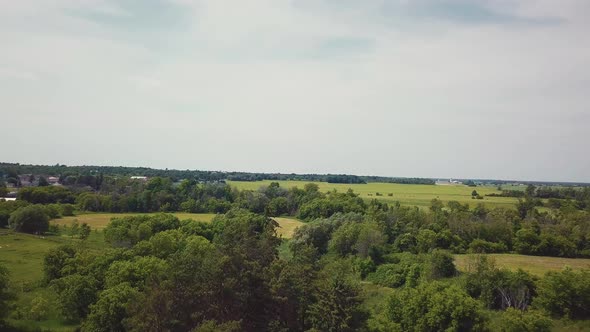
[
  {"x": 536, "y": 265},
  {"x": 407, "y": 194}
]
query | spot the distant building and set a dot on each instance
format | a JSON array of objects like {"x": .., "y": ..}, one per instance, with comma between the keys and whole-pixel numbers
[
  {"x": 448, "y": 182},
  {"x": 52, "y": 180},
  {"x": 8, "y": 199},
  {"x": 140, "y": 178}
]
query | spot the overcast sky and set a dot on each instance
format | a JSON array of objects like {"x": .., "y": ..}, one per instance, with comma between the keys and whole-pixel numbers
[{"x": 447, "y": 88}]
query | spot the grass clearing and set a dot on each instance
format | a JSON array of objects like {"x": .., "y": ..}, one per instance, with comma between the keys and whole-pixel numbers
[
  {"x": 407, "y": 194},
  {"x": 287, "y": 226},
  {"x": 537, "y": 265},
  {"x": 23, "y": 254}
]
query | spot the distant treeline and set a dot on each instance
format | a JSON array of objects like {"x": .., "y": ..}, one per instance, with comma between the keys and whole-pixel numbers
[
  {"x": 577, "y": 194},
  {"x": 88, "y": 175}
]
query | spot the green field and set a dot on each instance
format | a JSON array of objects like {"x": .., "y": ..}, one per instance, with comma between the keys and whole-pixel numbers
[
  {"x": 407, "y": 194},
  {"x": 536, "y": 265}
]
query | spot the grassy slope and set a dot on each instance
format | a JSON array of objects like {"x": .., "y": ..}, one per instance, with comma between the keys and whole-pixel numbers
[
  {"x": 536, "y": 265},
  {"x": 407, "y": 194}
]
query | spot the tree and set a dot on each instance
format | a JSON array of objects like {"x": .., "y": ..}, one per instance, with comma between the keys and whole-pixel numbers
[
  {"x": 43, "y": 182},
  {"x": 84, "y": 231},
  {"x": 426, "y": 240},
  {"x": 565, "y": 293},
  {"x": 109, "y": 312},
  {"x": 434, "y": 306},
  {"x": 474, "y": 193},
  {"x": 39, "y": 307},
  {"x": 75, "y": 295},
  {"x": 338, "y": 306},
  {"x": 530, "y": 190},
  {"x": 442, "y": 265},
  {"x": 29, "y": 219},
  {"x": 55, "y": 260}
]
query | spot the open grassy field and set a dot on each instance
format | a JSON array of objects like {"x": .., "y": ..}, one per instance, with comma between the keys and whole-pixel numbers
[
  {"x": 23, "y": 254},
  {"x": 407, "y": 194},
  {"x": 101, "y": 220},
  {"x": 536, "y": 265}
]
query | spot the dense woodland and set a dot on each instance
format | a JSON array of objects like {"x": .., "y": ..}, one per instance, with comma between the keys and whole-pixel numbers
[{"x": 160, "y": 273}]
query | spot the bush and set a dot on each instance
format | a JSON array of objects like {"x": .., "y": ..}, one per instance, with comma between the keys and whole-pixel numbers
[{"x": 30, "y": 219}]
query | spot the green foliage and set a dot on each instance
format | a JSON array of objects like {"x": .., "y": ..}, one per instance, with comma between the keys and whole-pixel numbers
[
  {"x": 67, "y": 210},
  {"x": 84, "y": 231},
  {"x": 479, "y": 246},
  {"x": 434, "y": 306},
  {"x": 499, "y": 289},
  {"x": 29, "y": 219},
  {"x": 338, "y": 305},
  {"x": 110, "y": 310},
  {"x": 136, "y": 273},
  {"x": 441, "y": 265},
  {"x": 6, "y": 208},
  {"x": 391, "y": 275},
  {"x": 75, "y": 295},
  {"x": 514, "y": 320},
  {"x": 39, "y": 308},
  {"x": 213, "y": 326},
  {"x": 565, "y": 293},
  {"x": 46, "y": 195},
  {"x": 426, "y": 240},
  {"x": 56, "y": 260},
  {"x": 127, "y": 231}
]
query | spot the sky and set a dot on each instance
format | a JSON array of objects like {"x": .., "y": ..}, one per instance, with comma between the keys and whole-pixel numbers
[{"x": 442, "y": 88}]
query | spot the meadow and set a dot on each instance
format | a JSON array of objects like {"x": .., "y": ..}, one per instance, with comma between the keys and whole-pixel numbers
[{"x": 407, "y": 194}]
